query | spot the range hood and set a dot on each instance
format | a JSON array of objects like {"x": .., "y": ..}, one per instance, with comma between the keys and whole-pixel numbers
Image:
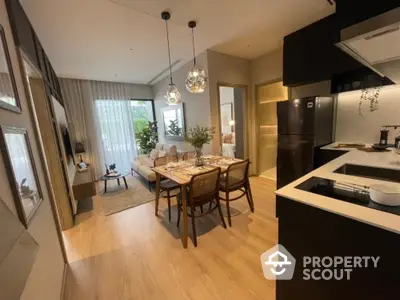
[{"x": 376, "y": 44}]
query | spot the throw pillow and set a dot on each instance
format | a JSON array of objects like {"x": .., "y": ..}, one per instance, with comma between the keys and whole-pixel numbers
[
  {"x": 154, "y": 154},
  {"x": 162, "y": 153}
]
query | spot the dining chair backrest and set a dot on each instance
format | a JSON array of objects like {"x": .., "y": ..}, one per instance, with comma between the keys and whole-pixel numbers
[
  {"x": 237, "y": 173},
  {"x": 160, "y": 161},
  {"x": 204, "y": 186}
]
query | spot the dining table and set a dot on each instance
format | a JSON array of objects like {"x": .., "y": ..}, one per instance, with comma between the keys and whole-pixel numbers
[{"x": 182, "y": 172}]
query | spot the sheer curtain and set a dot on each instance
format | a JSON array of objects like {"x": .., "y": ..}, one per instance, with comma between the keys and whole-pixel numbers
[{"x": 117, "y": 138}]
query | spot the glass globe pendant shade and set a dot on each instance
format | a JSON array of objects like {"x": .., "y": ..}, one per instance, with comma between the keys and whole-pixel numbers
[
  {"x": 196, "y": 80},
  {"x": 172, "y": 96}
]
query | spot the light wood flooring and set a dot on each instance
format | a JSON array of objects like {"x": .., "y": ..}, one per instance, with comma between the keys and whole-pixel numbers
[{"x": 135, "y": 255}]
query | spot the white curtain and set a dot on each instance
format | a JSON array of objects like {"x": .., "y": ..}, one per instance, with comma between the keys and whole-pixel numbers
[
  {"x": 80, "y": 97},
  {"x": 117, "y": 138}
]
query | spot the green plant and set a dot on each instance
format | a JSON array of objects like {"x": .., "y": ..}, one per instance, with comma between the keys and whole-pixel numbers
[
  {"x": 198, "y": 136},
  {"x": 139, "y": 125},
  {"x": 174, "y": 129},
  {"x": 148, "y": 137}
]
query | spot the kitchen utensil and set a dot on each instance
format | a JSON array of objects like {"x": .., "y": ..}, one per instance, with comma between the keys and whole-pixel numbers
[
  {"x": 370, "y": 149},
  {"x": 349, "y": 145},
  {"x": 384, "y": 137},
  {"x": 385, "y": 194},
  {"x": 397, "y": 142},
  {"x": 380, "y": 146}
]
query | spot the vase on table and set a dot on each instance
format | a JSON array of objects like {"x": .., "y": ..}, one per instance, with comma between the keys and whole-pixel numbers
[{"x": 199, "y": 157}]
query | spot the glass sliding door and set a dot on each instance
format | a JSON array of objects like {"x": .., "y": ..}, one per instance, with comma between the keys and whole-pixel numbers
[{"x": 116, "y": 128}]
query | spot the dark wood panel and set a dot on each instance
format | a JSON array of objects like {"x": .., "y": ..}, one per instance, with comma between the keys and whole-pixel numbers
[
  {"x": 310, "y": 54},
  {"x": 22, "y": 30},
  {"x": 355, "y": 11},
  {"x": 308, "y": 231}
]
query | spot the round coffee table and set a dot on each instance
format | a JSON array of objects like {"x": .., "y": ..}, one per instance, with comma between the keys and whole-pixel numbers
[{"x": 105, "y": 178}]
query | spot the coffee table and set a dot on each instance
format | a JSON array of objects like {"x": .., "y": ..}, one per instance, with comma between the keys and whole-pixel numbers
[{"x": 105, "y": 178}]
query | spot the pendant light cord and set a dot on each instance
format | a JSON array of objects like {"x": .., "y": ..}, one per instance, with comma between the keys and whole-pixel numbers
[
  {"x": 194, "y": 51},
  {"x": 169, "y": 51}
]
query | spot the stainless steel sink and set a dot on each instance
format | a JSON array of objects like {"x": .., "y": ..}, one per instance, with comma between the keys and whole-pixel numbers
[{"x": 370, "y": 172}]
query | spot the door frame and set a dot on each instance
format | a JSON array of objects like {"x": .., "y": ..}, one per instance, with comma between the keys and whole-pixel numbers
[
  {"x": 245, "y": 87},
  {"x": 22, "y": 56},
  {"x": 258, "y": 132}
]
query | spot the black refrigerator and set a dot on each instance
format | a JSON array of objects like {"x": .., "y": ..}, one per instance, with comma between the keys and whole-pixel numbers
[{"x": 303, "y": 125}]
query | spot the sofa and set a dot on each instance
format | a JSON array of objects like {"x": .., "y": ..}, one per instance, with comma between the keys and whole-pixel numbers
[{"x": 143, "y": 163}]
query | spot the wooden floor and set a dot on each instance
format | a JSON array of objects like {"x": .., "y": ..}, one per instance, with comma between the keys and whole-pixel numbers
[{"x": 134, "y": 255}]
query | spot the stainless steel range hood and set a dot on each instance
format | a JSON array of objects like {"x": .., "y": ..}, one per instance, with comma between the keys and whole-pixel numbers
[{"x": 376, "y": 43}]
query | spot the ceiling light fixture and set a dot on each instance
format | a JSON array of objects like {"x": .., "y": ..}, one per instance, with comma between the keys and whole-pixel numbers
[
  {"x": 196, "y": 80},
  {"x": 172, "y": 96}
]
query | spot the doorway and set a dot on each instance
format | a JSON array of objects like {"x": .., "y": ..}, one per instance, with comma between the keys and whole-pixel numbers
[
  {"x": 267, "y": 97},
  {"x": 232, "y": 121}
]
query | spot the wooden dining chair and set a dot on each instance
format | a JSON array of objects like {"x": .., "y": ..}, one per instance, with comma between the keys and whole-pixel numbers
[
  {"x": 203, "y": 189},
  {"x": 236, "y": 179},
  {"x": 168, "y": 188}
]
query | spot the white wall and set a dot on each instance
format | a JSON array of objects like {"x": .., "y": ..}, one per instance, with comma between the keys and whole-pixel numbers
[
  {"x": 197, "y": 106},
  {"x": 45, "y": 280},
  {"x": 226, "y": 95},
  {"x": 351, "y": 127},
  {"x": 230, "y": 70}
]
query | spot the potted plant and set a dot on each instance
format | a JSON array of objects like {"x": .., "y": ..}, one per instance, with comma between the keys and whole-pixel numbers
[
  {"x": 147, "y": 137},
  {"x": 198, "y": 136}
]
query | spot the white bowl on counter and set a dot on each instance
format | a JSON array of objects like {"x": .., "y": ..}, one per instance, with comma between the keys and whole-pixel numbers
[{"x": 385, "y": 194}]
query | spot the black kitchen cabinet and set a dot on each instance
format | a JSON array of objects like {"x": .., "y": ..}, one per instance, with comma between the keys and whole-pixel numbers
[
  {"x": 308, "y": 231},
  {"x": 352, "y": 12},
  {"x": 310, "y": 54},
  {"x": 359, "y": 79},
  {"x": 323, "y": 156}
]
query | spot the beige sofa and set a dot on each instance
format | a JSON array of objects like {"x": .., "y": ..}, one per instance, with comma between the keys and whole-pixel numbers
[{"x": 143, "y": 163}]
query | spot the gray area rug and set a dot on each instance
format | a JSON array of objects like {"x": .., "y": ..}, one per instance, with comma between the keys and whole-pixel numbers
[{"x": 118, "y": 198}]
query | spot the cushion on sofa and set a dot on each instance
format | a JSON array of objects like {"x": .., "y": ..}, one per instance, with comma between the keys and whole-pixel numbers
[
  {"x": 170, "y": 149},
  {"x": 148, "y": 162},
  {"x": 159, "y": 146},
  {"x": 154, "y": 154},
  {"x": 147, "y": 173},
  {"x": 162, "y": 153}
]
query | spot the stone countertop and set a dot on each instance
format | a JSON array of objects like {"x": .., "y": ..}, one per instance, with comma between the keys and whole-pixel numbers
[{"x": 389, "y": 160}]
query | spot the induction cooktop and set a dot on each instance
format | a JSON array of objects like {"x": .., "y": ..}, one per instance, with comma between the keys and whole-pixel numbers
[{"x": 342, "y": 191}]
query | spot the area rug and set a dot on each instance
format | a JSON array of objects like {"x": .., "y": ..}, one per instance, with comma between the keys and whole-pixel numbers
[{"x": 118, "y": 198}]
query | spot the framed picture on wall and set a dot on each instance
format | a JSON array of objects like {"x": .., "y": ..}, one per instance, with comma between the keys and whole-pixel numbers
[
  {"x": 22, "y": 174},
  {"x": 8, "y": 89}
]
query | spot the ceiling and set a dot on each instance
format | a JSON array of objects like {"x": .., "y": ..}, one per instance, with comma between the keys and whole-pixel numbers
[{"x": 102, "y": 40}]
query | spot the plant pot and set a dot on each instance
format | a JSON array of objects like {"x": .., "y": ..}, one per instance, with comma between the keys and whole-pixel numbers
[{"x": 199, "y": 157}]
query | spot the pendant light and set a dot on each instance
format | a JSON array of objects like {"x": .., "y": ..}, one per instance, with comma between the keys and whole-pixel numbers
[
  {"x": 196, "y": 80},
  {"x": 172, "y": 95}
]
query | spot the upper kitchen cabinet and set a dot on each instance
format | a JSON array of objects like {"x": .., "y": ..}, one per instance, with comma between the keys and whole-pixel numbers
[
  {"x": 351, "y": 12},
  {"x": 310, "y": 54}
]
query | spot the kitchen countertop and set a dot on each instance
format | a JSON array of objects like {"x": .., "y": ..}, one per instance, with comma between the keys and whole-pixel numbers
[{"x": 389, "y": 160}]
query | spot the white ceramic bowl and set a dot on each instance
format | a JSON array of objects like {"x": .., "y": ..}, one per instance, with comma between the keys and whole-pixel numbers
[{"x": 385, "y": 194}]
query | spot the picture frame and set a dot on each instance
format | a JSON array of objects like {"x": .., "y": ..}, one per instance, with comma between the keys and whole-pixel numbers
[
  {"x": 175, "y": 113},
  {"x": 9, "y": 99},
  {"x": 22, "y": 173}
]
